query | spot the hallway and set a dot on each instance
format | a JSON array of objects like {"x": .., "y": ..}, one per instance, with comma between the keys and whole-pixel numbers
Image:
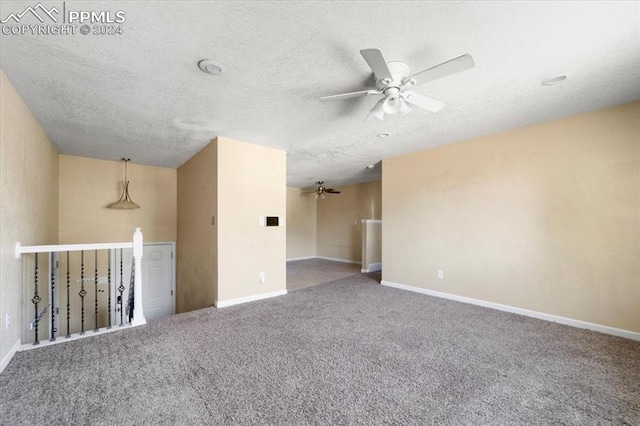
[{"x": 309, "y": 272}]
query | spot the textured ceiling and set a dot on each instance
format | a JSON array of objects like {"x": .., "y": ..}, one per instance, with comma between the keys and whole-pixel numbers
[{"x": 141, "y": 94}]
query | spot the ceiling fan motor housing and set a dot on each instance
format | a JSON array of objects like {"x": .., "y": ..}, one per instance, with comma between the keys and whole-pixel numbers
[{"x": 399, "y": 73}]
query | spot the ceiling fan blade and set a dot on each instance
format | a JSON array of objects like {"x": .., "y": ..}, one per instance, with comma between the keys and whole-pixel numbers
[
  {"x": 349, "y": 95},
  {"x": 444, "y": 69},
  {"x": 422, "y": 101},
  {"x": 377, "y": 111},
  {"x": 332, "y": 191},
  {"x": 377, "y": 63}
]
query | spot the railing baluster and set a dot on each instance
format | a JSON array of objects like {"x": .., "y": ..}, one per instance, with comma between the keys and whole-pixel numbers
[
  {"x": 121, "y": 290},
  {"x": 68, "y": 298},
  {"x": 95, "y": 285},
  {"x": 82, "y": 292},
  {"x": 53, "y": 292},
  {"x": 109, "y": 282},
  {"x": 36, "y": 300},
  {"x": 131, "y": 300}
]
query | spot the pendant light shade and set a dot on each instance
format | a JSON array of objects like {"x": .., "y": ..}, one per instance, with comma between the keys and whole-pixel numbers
[{"x": 125, "y": 201}]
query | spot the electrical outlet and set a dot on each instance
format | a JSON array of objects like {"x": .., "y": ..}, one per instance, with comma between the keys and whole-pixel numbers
[
  {"x": 440, "y": 274},
  {"x": 7, "y": 320},
  {"x": 261, "y": 277}
]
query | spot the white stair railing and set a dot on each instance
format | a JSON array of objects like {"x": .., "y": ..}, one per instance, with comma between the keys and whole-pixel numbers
[{"x": 57, "y": 254}]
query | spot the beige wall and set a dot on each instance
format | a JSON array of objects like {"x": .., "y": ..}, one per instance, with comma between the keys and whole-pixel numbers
[
  {"x": 371, "y": 245},
  {"x": 197, "y": 239},
  {"x": 545, "y": 218},
  {"x": 237, "y": 183},
  {"x": 88, "y": 186},
  {"x": 251, "y": 184},
  {"x": 301, "y": 223},
  {"x": 29, "y": 199},
  {"x": 339, "y": 227}
]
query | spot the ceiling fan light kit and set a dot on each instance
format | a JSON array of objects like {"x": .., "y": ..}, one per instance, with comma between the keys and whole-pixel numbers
[{"x": 393, "y": 80}]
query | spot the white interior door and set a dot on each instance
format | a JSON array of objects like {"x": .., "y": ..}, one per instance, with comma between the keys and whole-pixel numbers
[
  {"x": 158, "y": 298},
  {"x": 157, "y": 281}
]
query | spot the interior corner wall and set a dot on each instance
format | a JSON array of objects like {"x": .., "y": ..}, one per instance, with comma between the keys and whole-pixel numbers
[
  {"x": 371, "y": 244},
  {"x": 88, "y": 186},
  {"x": 29, "y": 199},
  {"x": 339, "y": 226},
  {"x": 301, "y": 223},
  {"x": 545, "y": 218},
  {"x": 251, "y": 184},
  {"x": 197, "y": 256}
]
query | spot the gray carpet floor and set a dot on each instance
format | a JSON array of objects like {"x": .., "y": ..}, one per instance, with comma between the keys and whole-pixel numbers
[
  {"x": 346, "y": 352},
  {"x": 309, "y": 272}
]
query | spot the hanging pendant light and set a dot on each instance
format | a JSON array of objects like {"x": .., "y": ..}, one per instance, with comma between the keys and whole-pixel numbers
[{"x": 125, "y": 201}]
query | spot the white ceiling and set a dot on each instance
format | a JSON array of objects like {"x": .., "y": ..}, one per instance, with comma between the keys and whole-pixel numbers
[{"x": 142, "y": 95}]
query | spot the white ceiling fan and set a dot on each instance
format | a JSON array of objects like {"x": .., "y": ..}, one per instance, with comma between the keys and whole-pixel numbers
[{"x": 393, "y": 80}]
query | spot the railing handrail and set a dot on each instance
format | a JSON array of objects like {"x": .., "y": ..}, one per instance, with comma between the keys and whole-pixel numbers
[
  {"x": 135, "y": 311},
  {"x": 20, "y": 249}
]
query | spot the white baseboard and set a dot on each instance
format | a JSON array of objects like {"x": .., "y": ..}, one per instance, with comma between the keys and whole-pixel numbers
[
  {"x": 335, "y": 259},
  {"x": 372, "y": 267},
  {"x": 231, "y": 302},
  {"x": 371, "y": 221},
  {"x": 293, "y": 259},
  {"x": 136, "y": 323},
  {"x": 7, "y": 358},
  {"x": 520, "y": 311},
  {"x": 78, "y": 336}
]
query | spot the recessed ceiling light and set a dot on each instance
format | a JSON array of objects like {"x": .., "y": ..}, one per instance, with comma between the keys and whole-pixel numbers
[
  {"x": 210, "y": 66},
  {"x": 554, "y": 80},
  {"x": 383, "y": 135}
]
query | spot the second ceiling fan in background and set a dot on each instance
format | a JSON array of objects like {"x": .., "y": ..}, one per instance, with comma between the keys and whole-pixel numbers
[{"x": 321, "y": 190}]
